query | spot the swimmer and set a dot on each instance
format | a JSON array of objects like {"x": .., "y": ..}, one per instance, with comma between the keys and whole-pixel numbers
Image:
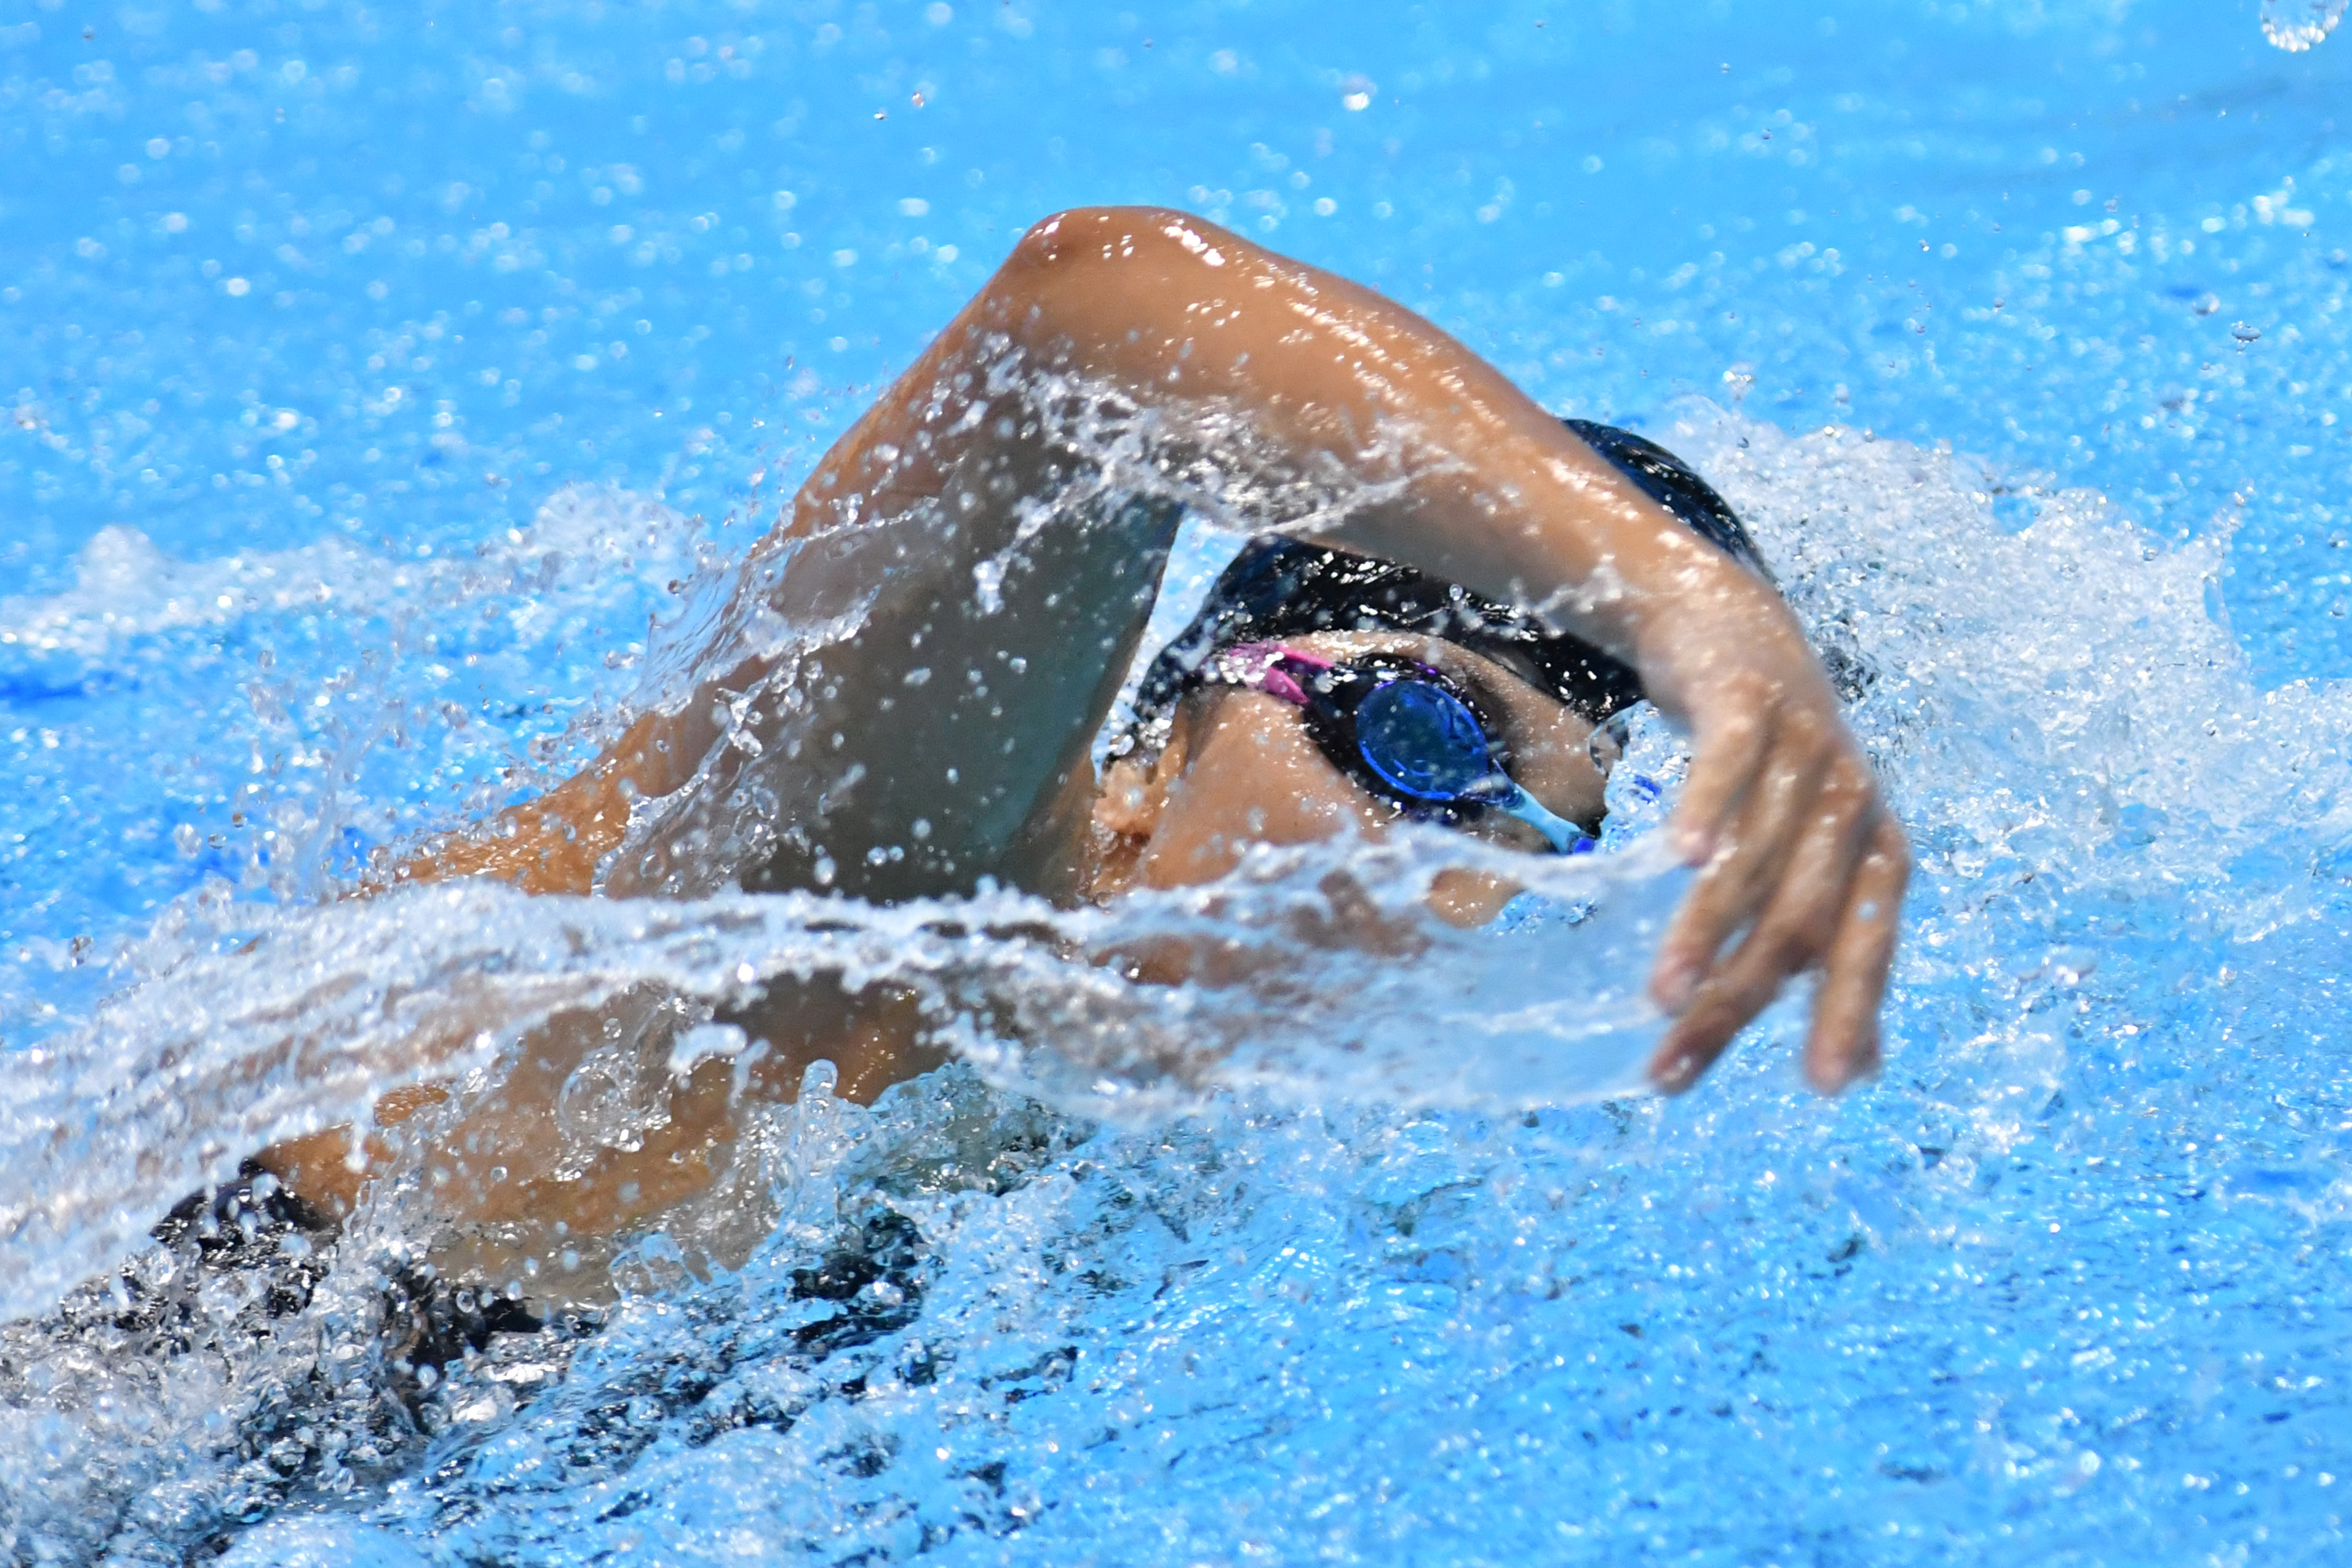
[{"x": 1452, "y": 593}]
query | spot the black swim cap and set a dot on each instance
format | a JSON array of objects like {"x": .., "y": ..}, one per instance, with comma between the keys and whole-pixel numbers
[
  {"x": 1668, "y": 480},
  {"x": 1279, "y": 587}
]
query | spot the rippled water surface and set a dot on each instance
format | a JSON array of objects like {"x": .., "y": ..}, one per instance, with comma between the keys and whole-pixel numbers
[{"x": 385, "y": 389}]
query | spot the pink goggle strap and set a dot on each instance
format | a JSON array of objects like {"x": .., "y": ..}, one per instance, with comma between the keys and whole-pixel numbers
[{"x": 1259, "y": 665}]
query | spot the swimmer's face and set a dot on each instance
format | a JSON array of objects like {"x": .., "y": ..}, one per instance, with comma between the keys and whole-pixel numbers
[{"x": 1239, "y": 769}]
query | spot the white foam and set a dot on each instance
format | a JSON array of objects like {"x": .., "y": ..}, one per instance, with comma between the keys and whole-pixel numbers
[{"x": 585, "y": 538}]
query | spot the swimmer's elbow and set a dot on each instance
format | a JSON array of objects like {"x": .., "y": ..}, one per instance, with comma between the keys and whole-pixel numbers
[
  {"x": 1083, "y": 241},
  {"x": 1098, "y": 277}
]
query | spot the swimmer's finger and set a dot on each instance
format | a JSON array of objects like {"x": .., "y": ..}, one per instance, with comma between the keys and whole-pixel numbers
[
  {"x": 1684, "y": 1055},
  {"x": 1755, "y": 860},
  {"x": 1843, "y": 1045},
  {"x": 1794, "y": 934},
  {"x": 1807, "y": 906},
  {"x": 1732, "y": 739},
  {"x": 1735, "y": 993},
  {"x": 1722, "y": 1007}
]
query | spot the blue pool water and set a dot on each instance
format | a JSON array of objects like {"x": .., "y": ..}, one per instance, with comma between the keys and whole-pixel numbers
[{"x": 380, "y": 384}]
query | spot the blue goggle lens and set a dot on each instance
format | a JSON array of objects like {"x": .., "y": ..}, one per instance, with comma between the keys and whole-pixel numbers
[{"x": 1424, "y": 741}]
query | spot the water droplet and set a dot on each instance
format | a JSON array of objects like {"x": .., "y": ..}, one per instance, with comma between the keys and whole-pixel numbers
[{"x": 2296, "y": 26}]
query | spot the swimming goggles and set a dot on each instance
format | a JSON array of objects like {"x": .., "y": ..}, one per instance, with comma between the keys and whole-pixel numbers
[{"x": 1402, "y": 728}]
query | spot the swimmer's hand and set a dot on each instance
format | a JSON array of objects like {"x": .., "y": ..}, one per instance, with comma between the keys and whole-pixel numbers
[{"x": 1797, "y": 849}]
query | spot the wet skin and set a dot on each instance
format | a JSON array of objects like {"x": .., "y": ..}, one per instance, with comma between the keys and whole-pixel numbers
[{"x": 1298, "y": 382}]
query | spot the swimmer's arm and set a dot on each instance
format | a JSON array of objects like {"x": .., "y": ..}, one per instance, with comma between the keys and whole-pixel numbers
[
  {"x": 496, "y": 1163},
  {"x": 552, "y": 843},
  {"x": 1464, "y": 476}
]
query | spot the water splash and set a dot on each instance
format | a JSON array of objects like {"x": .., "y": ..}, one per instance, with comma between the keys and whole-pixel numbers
[
  {"x": 299, "y": 712},
  {"x": 322, "y": 1011},
  {"x": 2299, "y": 25},
  {"x": 583, "y": 538},
  {"x": 1177, "y": 1266}
]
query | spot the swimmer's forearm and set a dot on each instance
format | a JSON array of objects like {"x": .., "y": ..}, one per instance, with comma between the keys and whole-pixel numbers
[
  {"x": 1458, "y": 471},
  {"x": 553, "y": 844}
]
